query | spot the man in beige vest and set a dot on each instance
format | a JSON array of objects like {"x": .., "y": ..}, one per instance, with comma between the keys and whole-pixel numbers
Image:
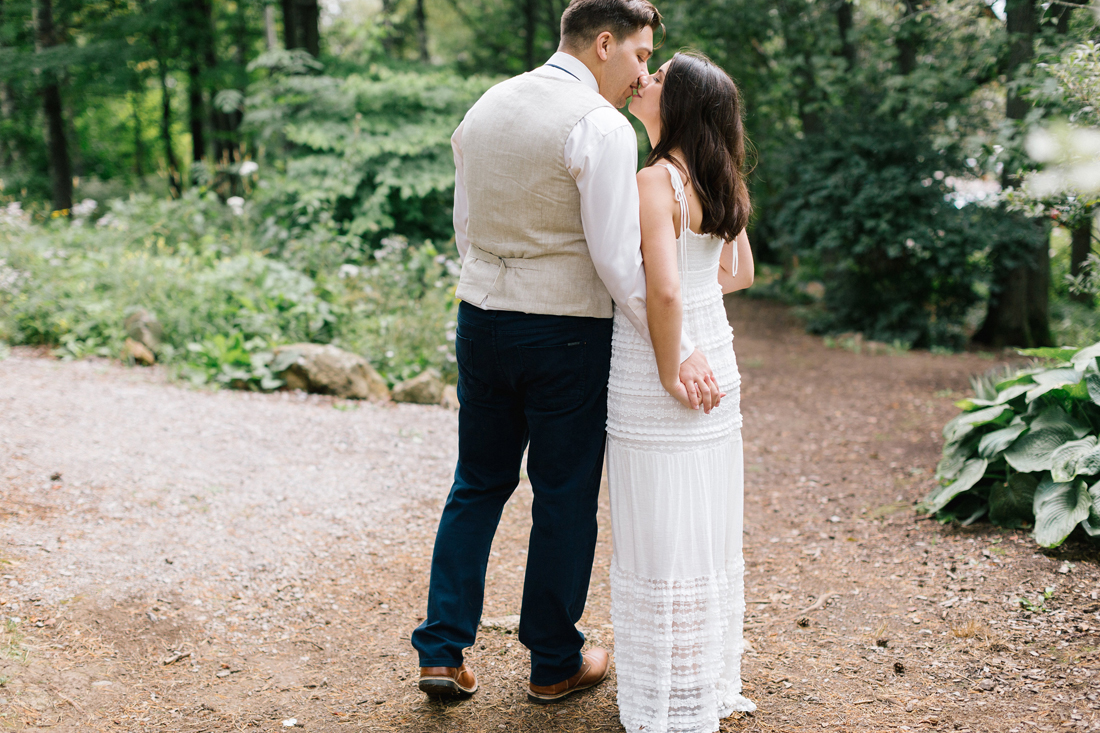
[{"x": 547, "y": 222}]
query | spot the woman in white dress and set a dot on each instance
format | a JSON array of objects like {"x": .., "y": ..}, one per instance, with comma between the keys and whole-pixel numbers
[{"x": 676, "y": 474}]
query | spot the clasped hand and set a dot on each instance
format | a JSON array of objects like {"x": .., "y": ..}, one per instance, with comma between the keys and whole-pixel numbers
[{"x": 695, "y": 385}]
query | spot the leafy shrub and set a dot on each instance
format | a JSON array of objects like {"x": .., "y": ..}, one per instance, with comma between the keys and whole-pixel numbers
[
  {"x": 359, "y": 158},
  {"x": 196, "y": 265},
  {"x": 1025, "y": 449},
  {"x": 870, "y": 209}
]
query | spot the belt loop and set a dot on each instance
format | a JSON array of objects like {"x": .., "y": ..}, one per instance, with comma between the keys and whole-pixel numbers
[{"x": 500, "y": 271}]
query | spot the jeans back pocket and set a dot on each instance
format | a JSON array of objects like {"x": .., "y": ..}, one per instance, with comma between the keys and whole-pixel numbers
[{"x": 554, "y": 376}]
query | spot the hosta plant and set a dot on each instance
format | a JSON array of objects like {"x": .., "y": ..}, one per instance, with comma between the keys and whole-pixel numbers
[{"x": 1026, "y": 449}]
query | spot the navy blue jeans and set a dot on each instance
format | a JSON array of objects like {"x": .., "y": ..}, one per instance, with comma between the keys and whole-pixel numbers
[{"x": 523, "y": 379}]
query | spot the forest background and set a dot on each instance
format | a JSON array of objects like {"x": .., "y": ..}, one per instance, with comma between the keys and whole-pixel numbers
[{"x": 249, "y": 174}]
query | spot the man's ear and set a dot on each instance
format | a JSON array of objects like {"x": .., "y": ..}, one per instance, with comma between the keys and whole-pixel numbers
[{"x": 603, "y": 45}]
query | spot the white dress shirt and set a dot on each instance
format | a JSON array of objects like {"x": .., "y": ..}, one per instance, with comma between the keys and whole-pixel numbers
[{"x": 601, "y": 153}]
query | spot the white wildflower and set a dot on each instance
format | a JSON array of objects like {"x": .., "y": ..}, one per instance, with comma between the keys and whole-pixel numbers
[{"x": 84, "y": 208}]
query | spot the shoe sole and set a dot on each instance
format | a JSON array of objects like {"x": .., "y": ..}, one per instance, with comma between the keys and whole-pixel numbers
[
  {"x": 443, "y": 687},
  {"x": 551, "y": 699}
]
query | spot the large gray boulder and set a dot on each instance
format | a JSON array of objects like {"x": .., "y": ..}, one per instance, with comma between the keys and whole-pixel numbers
[
  {"x": 144, "y": 328},
  {"x": 327, "y": 369},
  {"x": 426, "y": 389}
]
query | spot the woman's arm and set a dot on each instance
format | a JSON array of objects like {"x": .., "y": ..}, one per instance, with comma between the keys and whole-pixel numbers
[
  {"x": 664, "y": 308},
  {"x": 736, "y": 274}
]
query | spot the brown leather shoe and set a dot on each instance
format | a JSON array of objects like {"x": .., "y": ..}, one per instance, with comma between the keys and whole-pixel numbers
[
  {"x": 447, "y": 681},
  {"x": 593, "y": 671}
]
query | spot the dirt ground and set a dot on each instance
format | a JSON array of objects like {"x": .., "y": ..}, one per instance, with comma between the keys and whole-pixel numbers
[{"x": 226, "y": 561}]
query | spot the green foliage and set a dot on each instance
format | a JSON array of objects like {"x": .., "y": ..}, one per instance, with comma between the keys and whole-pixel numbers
[
  {"x": 1025, "y": 449},
  {"x": 223, "y": 305},
  {"x": 369, "y": 156},
  {"x": 899, "y": 260}
]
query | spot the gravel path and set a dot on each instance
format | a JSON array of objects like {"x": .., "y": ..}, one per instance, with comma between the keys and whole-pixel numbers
[
  {"x": 160, "y": 484},
  {"x": 223, "y": 561}
]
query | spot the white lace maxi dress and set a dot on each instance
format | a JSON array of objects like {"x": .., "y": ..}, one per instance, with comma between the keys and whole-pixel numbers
[{"x": 677, "y": 485}]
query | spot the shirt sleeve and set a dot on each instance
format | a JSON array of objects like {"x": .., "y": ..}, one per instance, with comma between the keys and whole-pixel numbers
[
  {"x": 602, "y": 155},
  {"x": 462, "y": 205}
]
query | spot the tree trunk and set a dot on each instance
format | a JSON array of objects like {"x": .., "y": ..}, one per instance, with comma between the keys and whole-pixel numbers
[
  {"x": 553, "y": 18},
  {"x": 139, "y": 145},
  {"x": 1080, "y": 250},
  {"x": 1018, "y": 307},
  {"x": 389, "y": 42},
  {"x": 290, "y": 24},
  {"x": 844, "y": 24},
  {"x": 1063, "y": 11},
  {"x": 300, "y": 25},
  {"x": 269, "y": 27},
  {"x": 196, "y": 111},
  {"x": 422, "y": 31},
  {"x": 61, "y": 175},
  {"x": 531, "y": 17},
  {"x": 907, "y": 40},
  {"x": 309, "y": 20},
  {"x": 175, "y": 185},
  {"x": 1021, "y": 24},
  {"x": 6, "y": 111}
]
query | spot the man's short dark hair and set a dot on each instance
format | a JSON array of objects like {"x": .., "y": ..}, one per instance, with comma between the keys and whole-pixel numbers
[{"x": 583, "y": 20}]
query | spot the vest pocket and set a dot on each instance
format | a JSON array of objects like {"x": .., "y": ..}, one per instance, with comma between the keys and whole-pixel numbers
[{"x": 554, "y": 375}]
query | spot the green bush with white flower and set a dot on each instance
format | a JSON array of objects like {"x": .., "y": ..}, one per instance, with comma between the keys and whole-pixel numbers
[{"x": 1026, "y": 449}]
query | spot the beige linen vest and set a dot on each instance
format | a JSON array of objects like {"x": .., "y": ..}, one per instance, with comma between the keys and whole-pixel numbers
[{"x": 527, "y": 247}]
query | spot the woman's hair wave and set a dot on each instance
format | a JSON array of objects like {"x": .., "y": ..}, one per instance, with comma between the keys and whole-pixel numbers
[{"x": 701, "y": 116}]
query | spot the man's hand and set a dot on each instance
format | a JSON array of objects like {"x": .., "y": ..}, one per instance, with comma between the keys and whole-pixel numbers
[{"x": 699, "y": 383}]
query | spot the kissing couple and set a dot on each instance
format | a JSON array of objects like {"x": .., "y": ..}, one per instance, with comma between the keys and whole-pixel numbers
[{"x": 592, "y": 320}]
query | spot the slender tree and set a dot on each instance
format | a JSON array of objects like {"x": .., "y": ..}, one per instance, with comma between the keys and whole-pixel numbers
[
  {"x": 422, "y": 31},
  {"x": 1019, "y": 306},
  {"x": 175, "y": 182},
  {"x": 300, "y": 25},
  {"x": 553, "y": 20},
  {"x": 7, "y": 109},
  {"x": 844, "y": 23},
  {"x": 61, "y": 176},
  {"x": 531, "y": 20},
  {"x": 1081, "y": 235},
  {"x": 269, "y": 27},
  {"x": 139, "y": 144}
]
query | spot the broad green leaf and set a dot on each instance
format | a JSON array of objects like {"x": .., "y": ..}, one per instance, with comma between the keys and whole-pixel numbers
[
  {"x": 1034, "y": 452},
  {"x": 1051, "y": 380},
  {"x": 1018, "y": 380},
  {"x": 966, "y": 508},
  {"x": 963, "y": 424},
  {"x": 1011, "y": 503},
  {"x": 1063, "y": 462},
  {"x": 1089, "y": 463},
  {"x": 999, "y": 440},
  {"x": 1011, "y": 393},
  {"x": 1092, "y": 528},
  {"x": 1058, "y": 353},
  {"x": 1055, "y": 416},
  {"x": 1092, "y": 383},
  {"x": 955, "y": 456},
  {"x": 971, "y": 474},
  {"x": 1085, "y": 356},
  {"x": 1059, "y": 508},
  {"x": 970, "y": 404},
  {"x": 1094, "y": 492}
]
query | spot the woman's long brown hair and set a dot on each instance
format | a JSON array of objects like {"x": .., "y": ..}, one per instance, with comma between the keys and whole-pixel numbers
[{"x": 701, "y": 116}]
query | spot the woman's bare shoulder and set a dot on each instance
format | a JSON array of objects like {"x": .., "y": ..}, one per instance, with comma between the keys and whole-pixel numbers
[{"x": 655, "y": 183}]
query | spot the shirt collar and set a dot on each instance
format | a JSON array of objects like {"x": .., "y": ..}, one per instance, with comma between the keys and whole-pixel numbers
[{"x": 576, "y": 67}]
